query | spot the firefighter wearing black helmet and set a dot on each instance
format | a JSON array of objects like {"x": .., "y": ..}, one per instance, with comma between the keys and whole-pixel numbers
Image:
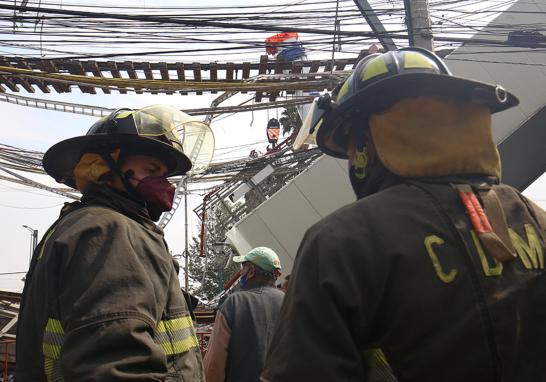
[
  {"x": 436, "y": 272},
  {"x": 102, "y": 301}
]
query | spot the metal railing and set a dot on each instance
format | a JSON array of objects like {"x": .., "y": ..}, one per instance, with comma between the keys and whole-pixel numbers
[{"x": 6, "y": 361}]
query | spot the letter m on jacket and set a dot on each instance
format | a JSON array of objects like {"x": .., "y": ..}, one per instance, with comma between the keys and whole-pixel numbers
[{"x": 529, "y": 251}]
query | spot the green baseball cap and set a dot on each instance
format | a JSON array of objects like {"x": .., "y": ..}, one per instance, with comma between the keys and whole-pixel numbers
[{"x": 263, "y": 257}]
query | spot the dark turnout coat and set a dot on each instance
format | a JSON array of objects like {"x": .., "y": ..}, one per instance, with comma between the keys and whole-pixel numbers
[
  {"x": 401, "y": 278},
  {"x": 102, "y": 301}
]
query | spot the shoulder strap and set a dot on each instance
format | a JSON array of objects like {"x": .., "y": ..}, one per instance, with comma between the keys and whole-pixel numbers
[{"x": 489, "y": 225}]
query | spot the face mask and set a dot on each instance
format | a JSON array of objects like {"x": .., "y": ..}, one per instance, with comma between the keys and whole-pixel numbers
[
  {"x": 243, "y": 281},
  {"x": 158, "y": 194}
]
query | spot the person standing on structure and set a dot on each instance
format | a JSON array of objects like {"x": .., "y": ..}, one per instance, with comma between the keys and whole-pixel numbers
[
  {"x": 436, "y": 272},
  {"x": 102, "y": 301},
  {"x": 244, "y": 323}
]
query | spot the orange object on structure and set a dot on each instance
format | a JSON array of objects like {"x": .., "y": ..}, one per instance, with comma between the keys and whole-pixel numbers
[
  {"x": 271, "y": 43},
  {"x": 280, "y": 37}
]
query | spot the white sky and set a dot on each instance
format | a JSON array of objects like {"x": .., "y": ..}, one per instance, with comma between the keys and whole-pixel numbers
[{"x": 38, "y": 129}]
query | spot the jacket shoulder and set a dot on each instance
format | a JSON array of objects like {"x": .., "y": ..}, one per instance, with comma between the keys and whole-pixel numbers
[
  {"x": 367, "y": 212},
  {"x": 90, "y": 214}
]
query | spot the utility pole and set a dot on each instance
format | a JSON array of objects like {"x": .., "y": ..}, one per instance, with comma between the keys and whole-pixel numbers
[
  {"x": 33, "y": 240},
  {"x": 418, "y": 22},
  {"x": 186, "y": 236}
]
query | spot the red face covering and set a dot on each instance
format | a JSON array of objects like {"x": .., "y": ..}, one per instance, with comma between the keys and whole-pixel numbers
[{"x": 158, "y": 194}]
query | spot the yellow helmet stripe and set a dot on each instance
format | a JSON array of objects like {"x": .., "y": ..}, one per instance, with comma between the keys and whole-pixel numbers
[
  {"x": 416, "y": 60},
  {"x": 343, "y": 91},
  {"x": 375, "y": 68}
]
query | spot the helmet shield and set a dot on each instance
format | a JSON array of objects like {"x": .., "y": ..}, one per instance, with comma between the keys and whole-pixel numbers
[
  {"x": 161, "y": 121},
  {"x": 152, "y": 130}
]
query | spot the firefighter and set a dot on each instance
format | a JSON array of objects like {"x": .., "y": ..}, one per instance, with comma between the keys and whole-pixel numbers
[
  {"x": 244, "y": 323},
  {"x": 436, "y": 272},
  {"x": 102, "y": 301}
]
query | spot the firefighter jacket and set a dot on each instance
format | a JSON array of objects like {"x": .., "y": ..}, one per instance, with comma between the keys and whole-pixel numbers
[
  {"x": 399, "y": 286},
  {"x": 102, "y": 301}
]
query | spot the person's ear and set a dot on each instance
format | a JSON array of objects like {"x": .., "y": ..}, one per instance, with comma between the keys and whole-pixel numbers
[{"x": 251, "y": 271}]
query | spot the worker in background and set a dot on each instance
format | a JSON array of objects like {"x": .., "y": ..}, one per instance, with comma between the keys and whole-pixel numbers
[
  {"x": 244, "y": 323},
  {"x": 436, "y": 272},
  {"x": 102, "y": 301}
]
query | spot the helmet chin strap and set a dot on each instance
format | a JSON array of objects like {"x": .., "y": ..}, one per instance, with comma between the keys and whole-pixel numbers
[{"x": 123, "y": 177}]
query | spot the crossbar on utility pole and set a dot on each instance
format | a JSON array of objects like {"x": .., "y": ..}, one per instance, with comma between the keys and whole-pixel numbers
[
  {"x": 418, "y": 22},
  {"x": 376, "y": 25}
]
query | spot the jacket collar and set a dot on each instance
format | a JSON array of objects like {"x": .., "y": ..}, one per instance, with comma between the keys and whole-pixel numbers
[
  {"x": 123, "y": 203},
  {"x": 379, "y": 178}
]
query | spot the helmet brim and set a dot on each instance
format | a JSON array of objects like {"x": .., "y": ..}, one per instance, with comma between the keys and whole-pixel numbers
[
  {"x": 381, "y": 94},
  {"x": 60, "y": 159}
]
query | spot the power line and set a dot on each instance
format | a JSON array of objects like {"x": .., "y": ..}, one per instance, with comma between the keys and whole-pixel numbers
[
  {"x": 30, "y": 208},
  {"x": 226, "y": 25}
]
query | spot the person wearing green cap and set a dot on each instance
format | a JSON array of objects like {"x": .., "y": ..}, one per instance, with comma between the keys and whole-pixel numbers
[{"x": 244, "y": 323}]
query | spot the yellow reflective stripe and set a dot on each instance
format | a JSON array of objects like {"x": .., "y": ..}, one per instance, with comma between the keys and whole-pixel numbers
[
  {"x": 375, "y": 68},
  {"x": 51, "y": 351},
  {"x": 182, "y": 346},
  {"x": 173, "y": 325},
  {"x": 53, "y": 339},
  {"x": 54, "y": 326},
  {"x": 176, "y": 335},
  {"x": 45, "y": 242},
  {"x": 123, "y": 114},
  {"x": 417, "y": 60},
  {"x": 48, "y": 368},
  {"x": 343, "y": 91},
  {"x": 52, "y": 370},
  {"x": 375, "y": 357}
]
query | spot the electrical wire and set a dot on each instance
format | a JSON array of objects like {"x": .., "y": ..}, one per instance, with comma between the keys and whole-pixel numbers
[
  {"x": 77, "y": 30},
  {"x": 30, "y": 208}
]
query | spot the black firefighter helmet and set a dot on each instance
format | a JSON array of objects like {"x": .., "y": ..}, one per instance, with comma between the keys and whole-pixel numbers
[
  {"x": 151, "y": 130},
  {"x": 380, "y": 80}
]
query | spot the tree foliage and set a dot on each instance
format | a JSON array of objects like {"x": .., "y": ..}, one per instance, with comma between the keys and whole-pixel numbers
[
  {"x": 209, "y": 273},
  {"x": 290, "y": 120}
]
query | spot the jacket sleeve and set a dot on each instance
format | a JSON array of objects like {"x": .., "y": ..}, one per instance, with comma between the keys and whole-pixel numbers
[
  {"x": 112, "y": 293},
  {"x": 324, "y": 316},
  {"x": 217, "y": 351}
]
